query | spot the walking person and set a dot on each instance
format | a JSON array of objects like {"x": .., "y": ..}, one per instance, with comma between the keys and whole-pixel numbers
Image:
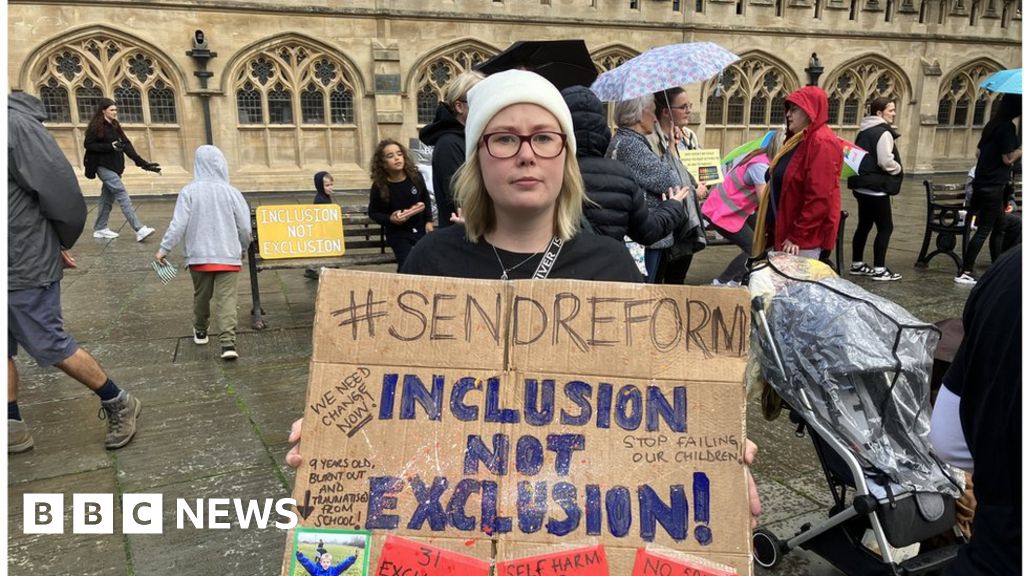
[
  {"x": 880, "y": 176},
  {"x": 398, "y": 199},
  {"x": 998, "y": 149},
  {"x": 45, "y": 217},
  {"x": 212, "y": 217},
  {"x": 636, "y": 120},
  {"x": 731, "y": 207},
  {"x": 800, "y": 214},
  {"x": 617, "y": 206},
  {"x": 105, "y": 147},
  {"x": 447, "y": 134},
  {"x": 672, "y": 108}
]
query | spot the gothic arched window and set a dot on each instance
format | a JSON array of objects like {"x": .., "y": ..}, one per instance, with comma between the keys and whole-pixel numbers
[
  {"x": 294, "y": 84},
  {"x": 435, "y": 74},
  {"x": 749, "y": 93},
  {"x": 852, "y": 88},
  {"x": 961, "y": 103},
  {"x": 73, "y": 78}
]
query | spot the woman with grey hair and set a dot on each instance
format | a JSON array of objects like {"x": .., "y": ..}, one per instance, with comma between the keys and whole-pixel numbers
[{"x": 636, "y": 119}]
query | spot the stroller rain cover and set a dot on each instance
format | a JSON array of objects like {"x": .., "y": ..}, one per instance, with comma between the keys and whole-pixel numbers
[{"x": 863, "y": 363}]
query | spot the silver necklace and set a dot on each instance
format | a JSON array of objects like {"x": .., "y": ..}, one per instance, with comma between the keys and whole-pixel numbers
[{"x": 505, "y": 271}]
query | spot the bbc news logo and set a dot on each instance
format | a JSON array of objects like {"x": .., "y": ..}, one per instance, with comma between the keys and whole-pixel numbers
[{"x": 144, "y": 513}]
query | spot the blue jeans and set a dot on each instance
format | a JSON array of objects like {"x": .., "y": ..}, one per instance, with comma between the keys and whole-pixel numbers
[{"x": 113, "y": 189}]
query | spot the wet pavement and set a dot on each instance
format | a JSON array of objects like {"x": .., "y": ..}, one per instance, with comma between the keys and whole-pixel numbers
[{"x": 216, "y": 429}]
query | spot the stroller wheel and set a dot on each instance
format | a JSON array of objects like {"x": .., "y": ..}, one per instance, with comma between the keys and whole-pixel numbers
[{"x": 767, "y": 548}]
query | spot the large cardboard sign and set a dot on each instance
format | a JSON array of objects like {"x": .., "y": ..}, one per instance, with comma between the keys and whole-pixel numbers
[
  {"x": 299, "y": 231},
  {"x": 502, "y": 420}
]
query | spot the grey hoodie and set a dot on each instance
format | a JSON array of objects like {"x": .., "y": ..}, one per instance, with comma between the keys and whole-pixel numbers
[
  {"x": 45, "y": 208},
  {"x": 210, "y": 214}
]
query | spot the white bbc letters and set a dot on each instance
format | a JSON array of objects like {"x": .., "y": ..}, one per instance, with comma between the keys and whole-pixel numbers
[
  {"x": 43, "y": 513},
  {"x": 142, "y": 513},
  {"x": 92, "y": 513}
]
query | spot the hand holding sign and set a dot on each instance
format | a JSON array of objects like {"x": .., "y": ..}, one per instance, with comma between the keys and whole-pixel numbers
[{"x": 403, "y": 556}]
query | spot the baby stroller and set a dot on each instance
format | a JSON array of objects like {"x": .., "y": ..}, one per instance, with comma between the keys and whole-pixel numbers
[{"x": 853, "y": 369}]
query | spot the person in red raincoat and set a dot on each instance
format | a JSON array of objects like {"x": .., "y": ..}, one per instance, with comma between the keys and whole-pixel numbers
[{"x": 801, "y": 214}]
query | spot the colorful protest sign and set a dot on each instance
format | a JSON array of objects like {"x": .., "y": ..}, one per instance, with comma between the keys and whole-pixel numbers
[
  {"x": 704, "y": 163},
  {"x": 589, "y": 561},
  {"x": 503, "y": 420},
  {"x": 299, "y": 231},
  {"x": 650, "y": 564},
  {"x": 403, "y": 557}
]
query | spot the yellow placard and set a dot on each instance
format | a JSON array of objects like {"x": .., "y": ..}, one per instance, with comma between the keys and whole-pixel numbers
[
  {"x": 300, "y": 231},
  {"x": 705, "y": 164}
]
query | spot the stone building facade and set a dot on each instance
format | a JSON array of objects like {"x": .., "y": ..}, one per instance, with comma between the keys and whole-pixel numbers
[{"x": 306, "y": 85}]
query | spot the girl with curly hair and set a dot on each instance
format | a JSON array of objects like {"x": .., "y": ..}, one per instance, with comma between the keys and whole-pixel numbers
[{"x": 398, "y": 198}]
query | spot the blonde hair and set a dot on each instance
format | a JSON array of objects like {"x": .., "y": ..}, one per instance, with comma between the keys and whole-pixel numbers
[
  {"x": 478, "y": 208},
  {"x": 459, "y": 86}
]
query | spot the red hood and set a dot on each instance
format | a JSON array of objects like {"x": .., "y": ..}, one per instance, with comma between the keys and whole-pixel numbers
[{"x": 814, "y": 102}]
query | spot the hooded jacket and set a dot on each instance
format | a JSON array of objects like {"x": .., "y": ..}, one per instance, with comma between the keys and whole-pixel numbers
[
  {"x": 619, "y": 206},
  {"x": 448, "y": 137},
  {"x": 210, "y": 214},
  {"x": 880, "y": 172},
  {"x": 809, "y": 203},
  {"x": 321, "y": 196},
  {"x": 45, "y": 208}
]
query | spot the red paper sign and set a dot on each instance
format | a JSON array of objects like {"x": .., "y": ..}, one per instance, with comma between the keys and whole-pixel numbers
[
  {"x": 576, "y": 562},
  {"x": 647, "y": 564},
  {"x": 401, "y": 557}
]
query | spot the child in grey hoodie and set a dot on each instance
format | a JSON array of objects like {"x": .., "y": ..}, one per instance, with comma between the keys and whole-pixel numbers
[{"x": 213, "y": 218}]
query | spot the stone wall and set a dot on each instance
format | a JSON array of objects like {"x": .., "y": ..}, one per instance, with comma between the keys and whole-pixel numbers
[{"x": 371, "y": 61}]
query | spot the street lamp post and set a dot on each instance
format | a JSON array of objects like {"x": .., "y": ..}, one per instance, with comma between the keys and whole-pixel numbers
[
  {"x": 201, "y": 53},
  {"x": 814, "y": 69}
]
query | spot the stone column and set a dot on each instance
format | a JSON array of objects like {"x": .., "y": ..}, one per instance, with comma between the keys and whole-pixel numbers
[
  {"x": 918, "y": 149},
  {"x": 387, "y": 90}
]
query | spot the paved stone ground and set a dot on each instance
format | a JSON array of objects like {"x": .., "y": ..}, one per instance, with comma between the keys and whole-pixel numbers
[{"x": 211, "y": 429}]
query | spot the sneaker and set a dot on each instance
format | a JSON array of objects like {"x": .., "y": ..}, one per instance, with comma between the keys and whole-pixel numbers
[
  {"x": 120, "y": 414},
  {"x": 143, "y": 233},
  {"x": 199, "y": 336},
  {"x": 19, "y": 439},
  {"x": 862, "y": 270},
  {"x": 965, "y": 278},
  {"x": 228, "y": 353},
  {"x": 886, "y": 275},
  {"x": 105, "y": 234}
]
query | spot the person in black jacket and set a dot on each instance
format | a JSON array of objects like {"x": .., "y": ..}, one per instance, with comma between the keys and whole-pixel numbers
[
  {"x": 398, "y": 199},
  {"x": 447, "y": 134},
  {"x": 880, "y": 176},
  {"x": 105, "y": 147},
  {"x": 45, "y": 217},
  {"x": 617, "y": 205}
]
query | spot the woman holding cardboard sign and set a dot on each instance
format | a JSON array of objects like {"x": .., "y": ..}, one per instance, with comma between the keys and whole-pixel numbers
[
  {"x": 521, "y": 194},
  {"x": 398, "y": 199}
]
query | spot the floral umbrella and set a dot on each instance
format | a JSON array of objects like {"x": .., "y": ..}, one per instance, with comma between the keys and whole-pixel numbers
[{"x": 662, "y": 68}]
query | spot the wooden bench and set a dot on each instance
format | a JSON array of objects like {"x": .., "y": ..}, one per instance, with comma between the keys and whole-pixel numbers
[
  {"x": 364, "y": 245},
  {"x": 943, "y": 208}
]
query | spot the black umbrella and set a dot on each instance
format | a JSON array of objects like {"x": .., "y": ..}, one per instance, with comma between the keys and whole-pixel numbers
[{"x": 563, "y": 62}]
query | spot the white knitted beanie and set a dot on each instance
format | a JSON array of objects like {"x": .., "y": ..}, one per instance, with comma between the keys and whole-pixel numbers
[{"x": 499, "y": 91}]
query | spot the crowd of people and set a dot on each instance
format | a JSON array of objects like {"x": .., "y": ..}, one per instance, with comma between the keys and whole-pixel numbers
[{"x": 530, "y": 182}]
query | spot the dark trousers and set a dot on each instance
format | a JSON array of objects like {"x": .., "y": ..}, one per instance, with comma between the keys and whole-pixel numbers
[
  {"x": 674, "y": 272},
  {"x": 401, "y": 243},
  {"x": 872, "y": 212},
  {"x": 988, "y": 207}
]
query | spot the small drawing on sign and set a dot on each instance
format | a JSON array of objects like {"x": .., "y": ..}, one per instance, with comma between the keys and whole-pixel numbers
[{"x": 330, "y": 551}]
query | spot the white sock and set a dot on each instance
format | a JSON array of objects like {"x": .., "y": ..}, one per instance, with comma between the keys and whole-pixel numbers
[
  {"x": 879, "y": 270},
  {"x": 857, "y": 264}
]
